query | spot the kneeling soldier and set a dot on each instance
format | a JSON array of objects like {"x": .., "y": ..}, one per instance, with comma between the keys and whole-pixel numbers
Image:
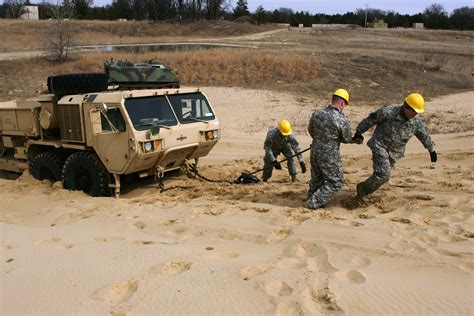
[{"x": 280, "y": 140}]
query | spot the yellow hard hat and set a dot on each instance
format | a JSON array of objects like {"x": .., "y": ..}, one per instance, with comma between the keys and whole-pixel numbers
[
  {"x": 416, "y": 102},
  {"x": 343, "y": 94},
  {"x": 285, "y": 127}
]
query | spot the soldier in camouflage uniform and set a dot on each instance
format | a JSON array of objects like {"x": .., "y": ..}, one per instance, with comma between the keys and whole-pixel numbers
[
  {"x": 281, "y": 140},
  {"x": 329, "y": 128},
  {"x": 395, "y": 126}
]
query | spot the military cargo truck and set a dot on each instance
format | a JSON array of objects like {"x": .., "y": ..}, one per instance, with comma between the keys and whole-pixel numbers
[{"x": 90, "y": 140}]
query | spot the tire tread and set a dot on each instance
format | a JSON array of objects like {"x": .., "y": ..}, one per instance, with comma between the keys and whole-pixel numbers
[
  {"x": 87, "y": 160},
  {"x": 50, "y": 160},
  {"x": 78, "y": 83}
]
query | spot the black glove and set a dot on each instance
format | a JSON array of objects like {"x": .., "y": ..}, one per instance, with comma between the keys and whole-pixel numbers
[
  {"x": 358, "y": 138},
  {"x": 276, "y": 164},
  {"x": 434, "y": 156},
  {"x": 303, "y": 167}
]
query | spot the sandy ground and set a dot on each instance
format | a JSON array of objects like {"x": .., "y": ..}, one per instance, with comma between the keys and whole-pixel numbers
[{"x": 222, "y": 249}]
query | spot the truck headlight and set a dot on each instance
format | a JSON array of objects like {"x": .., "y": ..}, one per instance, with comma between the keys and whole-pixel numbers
[
  {"x": 212, "y": 134},
  {"x": 148, "y": 146}
]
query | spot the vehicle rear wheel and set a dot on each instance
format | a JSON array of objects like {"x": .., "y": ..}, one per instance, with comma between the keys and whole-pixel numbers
[
  {"x": 47, "y": 165},
  {"x": 83, "y": 171}
]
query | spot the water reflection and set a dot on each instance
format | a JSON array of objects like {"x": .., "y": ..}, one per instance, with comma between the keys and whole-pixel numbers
[{"x": 147, "y": 48}]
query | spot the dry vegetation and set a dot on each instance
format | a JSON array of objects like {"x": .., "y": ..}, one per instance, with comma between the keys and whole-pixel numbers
[
  {"x": 219, "y": 67},
  {"x": 227, "y": 67}
]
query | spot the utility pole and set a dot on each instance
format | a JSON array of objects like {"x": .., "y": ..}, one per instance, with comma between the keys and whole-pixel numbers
[{"x": 366, "y": 8}]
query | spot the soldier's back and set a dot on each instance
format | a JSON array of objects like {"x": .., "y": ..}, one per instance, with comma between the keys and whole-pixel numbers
[{"x": 325, "y": 127}]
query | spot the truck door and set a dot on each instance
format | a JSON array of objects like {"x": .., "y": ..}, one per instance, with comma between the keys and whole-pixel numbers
[{"x": 111, "y": 142}]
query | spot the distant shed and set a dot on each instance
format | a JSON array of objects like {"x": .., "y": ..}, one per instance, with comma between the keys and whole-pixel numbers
[
  {"x": 418, "y": 26},
  {"x": 31, "y": 13}
]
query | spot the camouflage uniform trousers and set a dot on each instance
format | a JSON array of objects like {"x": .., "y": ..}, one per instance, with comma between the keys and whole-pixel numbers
[
  {"x": 268, "y": 167},
  {"x": 327, "y": 177},
  {"x": 382, "y": 168}
]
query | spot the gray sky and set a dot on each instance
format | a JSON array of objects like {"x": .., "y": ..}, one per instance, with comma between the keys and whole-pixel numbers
[{"x": 343, "y": 6}]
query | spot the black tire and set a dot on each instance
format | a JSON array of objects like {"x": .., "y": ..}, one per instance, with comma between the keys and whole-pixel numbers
[
  {"x": 83, "y": 171},
  {"x": 47, "y": 165},
  {"x": 61, "y": 85}
]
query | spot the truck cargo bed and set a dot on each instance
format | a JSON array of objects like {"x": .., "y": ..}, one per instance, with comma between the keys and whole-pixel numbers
[{"x": 20, "y": 118}]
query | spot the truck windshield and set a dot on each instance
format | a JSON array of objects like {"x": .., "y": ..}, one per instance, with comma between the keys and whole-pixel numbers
[
  {"x": 191, "y": 107},
  {"x": 149, "y": 111}
]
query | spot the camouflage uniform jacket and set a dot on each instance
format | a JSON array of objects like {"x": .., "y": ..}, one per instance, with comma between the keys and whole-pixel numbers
[
  {"x": 393, "y": 131},
  {"x": 276, "y": 142},
  {"x": 329, "y": 128}
]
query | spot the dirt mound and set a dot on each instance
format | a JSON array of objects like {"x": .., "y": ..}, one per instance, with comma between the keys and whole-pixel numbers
[{"x": 245, "y": 19}]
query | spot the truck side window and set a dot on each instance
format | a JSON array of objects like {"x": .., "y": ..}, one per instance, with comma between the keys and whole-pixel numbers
[
  {"x": 115, "y": 117},
  {"x": 191, "y": 107}
]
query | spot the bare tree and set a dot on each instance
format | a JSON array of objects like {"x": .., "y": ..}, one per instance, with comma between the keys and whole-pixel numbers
[
  {"x": 60, "y": 36},
  {"x": 81, "y": 8},
  {"x": 15, "y": 8},
  {"x": 463, "y": 18},
  {"x": 215, "y": 8},
  {"x": 260, "y": 14},
  {"x": 436, "y": 16}
]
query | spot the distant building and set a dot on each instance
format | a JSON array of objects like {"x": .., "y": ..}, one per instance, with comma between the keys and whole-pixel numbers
[
  {"x": 418, "y": 26},
  {"x": 31, "y": 13},
  {"x": 378, "y": 24}
]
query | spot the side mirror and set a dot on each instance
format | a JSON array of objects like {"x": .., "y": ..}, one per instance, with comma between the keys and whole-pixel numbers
[{"x": 155, "y": 130}]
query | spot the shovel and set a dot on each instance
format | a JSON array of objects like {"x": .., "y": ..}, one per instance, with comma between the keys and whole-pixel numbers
[{"x": 248, "y": 178}]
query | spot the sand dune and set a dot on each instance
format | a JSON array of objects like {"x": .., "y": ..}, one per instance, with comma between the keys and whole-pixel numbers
[{"x": 217, "y": 248}]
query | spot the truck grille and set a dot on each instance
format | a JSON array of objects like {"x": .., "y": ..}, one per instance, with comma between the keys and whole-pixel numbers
[{"x": 70, "y": 124}]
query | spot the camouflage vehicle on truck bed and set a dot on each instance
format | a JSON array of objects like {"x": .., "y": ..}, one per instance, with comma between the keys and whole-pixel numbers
[
  {"x": 90, "y": 139},
  {"x": 125, "y": 74}
]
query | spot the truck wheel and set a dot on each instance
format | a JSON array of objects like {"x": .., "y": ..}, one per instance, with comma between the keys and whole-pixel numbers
[
  {"x": 47, "y": 165},
  {"x": 83, "y": 171},
  {"x": 61, "y": 85}
]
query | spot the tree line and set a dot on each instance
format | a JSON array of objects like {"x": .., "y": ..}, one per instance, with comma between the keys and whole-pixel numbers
[{"x": 434, "y": 16}]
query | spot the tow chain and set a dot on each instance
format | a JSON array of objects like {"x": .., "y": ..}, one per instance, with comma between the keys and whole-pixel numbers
[
  {"x": 160, "y": 176},
  {"x": 191, "y": 171}
]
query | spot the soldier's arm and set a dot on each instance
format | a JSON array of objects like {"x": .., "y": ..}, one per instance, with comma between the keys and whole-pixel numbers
[
  {"x": 371, "y": 120},
  {"x": 296, "y": 147},
  {"x": 311, "y": 126},
  {"x": 346, "y": 132},
  {"x": 422, "y": 134},
  {"x": 267, "y": 146}
]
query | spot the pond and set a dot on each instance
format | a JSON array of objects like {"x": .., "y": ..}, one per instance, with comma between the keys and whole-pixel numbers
[{"x": 147, "y": 48}]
